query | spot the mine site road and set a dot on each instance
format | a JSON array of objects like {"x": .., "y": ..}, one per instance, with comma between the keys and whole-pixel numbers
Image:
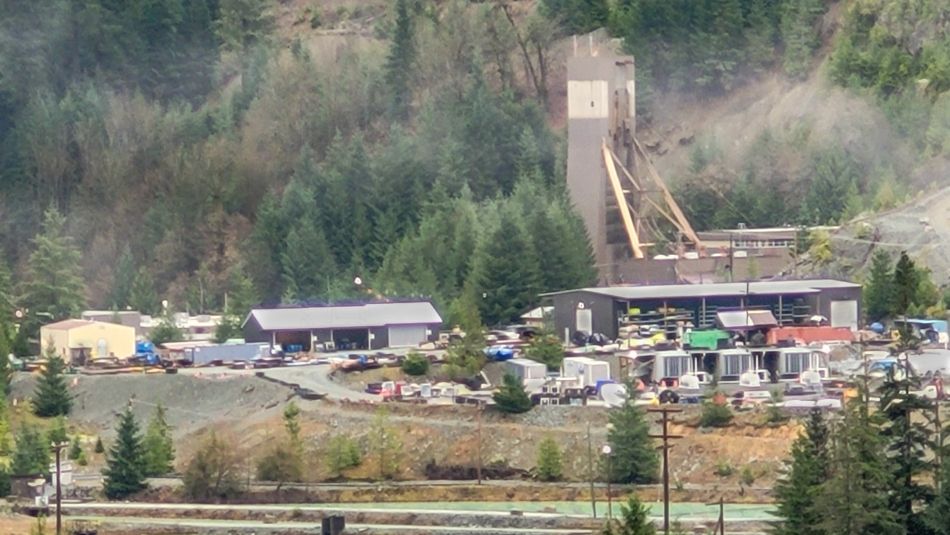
[{"x": 264, "y": 527}]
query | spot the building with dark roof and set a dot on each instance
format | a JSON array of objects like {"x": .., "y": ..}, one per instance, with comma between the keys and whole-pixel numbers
[
  {"x": 345, "y": 326},
  {"x": 606, "y": 309}
]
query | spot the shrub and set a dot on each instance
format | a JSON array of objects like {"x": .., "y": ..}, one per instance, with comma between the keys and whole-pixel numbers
[
  {"x": 415, "y": 364},
  {"x": 724, "y": 469},
  {"x": 212, "y": 472},
  {"x": 715, "y": 415},
  {"x": 342, "y": 453},
  {"x": 747, "y": 476},
  {"x": 511, "y": 397},
  {"x": 549, "y": 460}
]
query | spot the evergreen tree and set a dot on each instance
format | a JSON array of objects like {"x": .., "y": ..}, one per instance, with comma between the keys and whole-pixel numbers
[
  {"x": 546, "y": 348},
  {"x": 99, "y": 448},
  {"x": 549, "y": 460},
  {"x": 124, "y": 474},
  {"x": 760, "y": 34},
  {"x": 7, "y": 298},
  {"x": 385, "y": 445},
  {"x": 58, "y": 434},
  {"x": 797, "y": 494},
  {"x": 399, "y": 62},
  {"x": 307, "y": 263},
  {"x": 342, "y": 453},
  {"x": 879, "y": 287},
  {"x": 799, "y": 26},
  {"x": 75, "y": 450},
  {"x": 123, "y": 279},
  {"x": 511, "y": 397},
  {"x": 634, "y": 519},
  {"x": 906, "y": 282},
  {"x": 166, "y": 331},
  {"x": 158, "y": 449},
  {"x": 854, "y": 499},
  {"x": 6, "y": 435},
  {"x": 142, "y": 295},
  {"x": 634, "y": 458},
  {"x": 51, "y": 397},
  {"x": 54, "y": 284},
  {"x": 506, "y": 273},
  {"x": 6, "y": 367},
  {"x": 908, "y": 444},
  {"x": 937, "y": 515},
  {"x": 32, "y": 453}
]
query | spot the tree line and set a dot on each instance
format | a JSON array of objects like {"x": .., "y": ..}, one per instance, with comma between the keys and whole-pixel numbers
[{"x": 197, "y": 156}]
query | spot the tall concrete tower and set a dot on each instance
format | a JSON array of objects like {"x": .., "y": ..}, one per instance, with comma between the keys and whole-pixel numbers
[{"x": 601, "y": 112}]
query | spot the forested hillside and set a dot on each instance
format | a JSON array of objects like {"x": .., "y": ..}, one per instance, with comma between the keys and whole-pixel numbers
[{"x": 278, "y": 149}]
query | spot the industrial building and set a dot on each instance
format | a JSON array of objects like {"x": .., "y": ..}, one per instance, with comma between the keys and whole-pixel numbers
[
  {"x": 345, "y": 326},
  {"x": 793, "y": 302},
  {"x": 79, "y": 340}
]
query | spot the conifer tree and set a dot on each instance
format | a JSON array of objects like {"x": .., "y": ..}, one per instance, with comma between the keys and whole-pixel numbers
[
  {"x": 879, "y": 287},
  {"x": 906, "y": 282},
  {"x": 142, "y": 294},
  {"x": 797, "y": 494},
  {"x": 399, "y": 62},
  {"x": 307, "y": 263},
  {"x": 511, "y": 397},
  {"x": 99, "y": 447},
  {"x": 52, "y": 397},
  {"x": 158, "y": 449},
  {"x": 31, "y": 453},
  {"x": 506, "y": 273},
  {"x": 54, "y": 283},
  {"x": 385, "y": 445},
  {"x": 634, "y": 459},
  {"x": 58, "y": 434},
  {"x": 634, "y": 519},
  {"x": 124, "y": 474},
  {"x": 6, "y": 367},
  {"x": 854, "y": 499},
  {"x": 123, "y": 279},
  {"x": 6, "y": 436},
  {"x": 937, "y": 516},
  {"x": 908, "y": 444},
  {"x": 549, "y": 460}
]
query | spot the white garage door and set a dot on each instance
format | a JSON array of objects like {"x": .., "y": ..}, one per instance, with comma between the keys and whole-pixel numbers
[
  {"x": 407, "y": 335},
  {"x": 844, "y": 314}
]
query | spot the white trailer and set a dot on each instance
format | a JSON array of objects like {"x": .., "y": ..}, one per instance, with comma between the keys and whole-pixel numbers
[
  {"x": 526, "y": 369},
  {"x": 585, "y": 371}
]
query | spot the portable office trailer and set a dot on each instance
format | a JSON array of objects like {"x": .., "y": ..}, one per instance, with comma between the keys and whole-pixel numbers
[
  {"x": 585, "y": 371},
  {"x": 526, "y": 369},
  {"x": 777, "y": 364},
  {"x": 667, "y": 368}
]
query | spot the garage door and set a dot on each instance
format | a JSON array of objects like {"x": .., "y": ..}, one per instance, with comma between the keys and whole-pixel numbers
[
  {"x": 844, "y": 314},
  {"x": 407, "y": 335}
]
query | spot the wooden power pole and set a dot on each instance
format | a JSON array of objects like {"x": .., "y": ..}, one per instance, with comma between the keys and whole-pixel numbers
[
  {"x": 665, "y": 436},
  {"x": 58, "y": 449}
]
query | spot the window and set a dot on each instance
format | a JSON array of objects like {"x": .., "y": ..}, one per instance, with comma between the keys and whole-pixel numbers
[
  {"x": 735, "y": 364},
  {"x": 796, "y": 362},
  {"x": 676, "y": 366}
]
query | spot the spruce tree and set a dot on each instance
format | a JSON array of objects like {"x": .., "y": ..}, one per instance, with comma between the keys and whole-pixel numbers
[
  {"x": 52, "y": 397},
  {"x": 797, "y": 494},
  {"x": 634, "y": 458},
  {"x": 906, "y": 283},
  {"x": 158, "y": 449},
  {"x": 879, "y": 287},
  {"x": 54, "y": 282},
  {"x": 31, "y": 453},
  {"x": 506, "y": 274},
  {"x": 549, "y": 460},
  {"x": 854, "y": 499},
  {"x": 124, "y": 474},
  {"x": 937, "y": 516},
  {"x": 6, "y": 367},
  {"x": 142, "y": 294},
  {"x": 399, "y": 62},
  {"x": 634, "y": 519},
  {"x": 511, "y": 397},
  {"x": 123, "y": 279},
  {"x": 307, "y": 264},
  {"x": 908, "y": 444}
]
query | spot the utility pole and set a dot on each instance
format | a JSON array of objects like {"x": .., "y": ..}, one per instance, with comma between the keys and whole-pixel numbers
[
  {"x": 58, "y": 448},
  {"x": 666, "y": 437},
  {"x": 721, "y": 524},
  {"x": 478, "y": 446},
  {"x": 610, "y": 504},
  {"x": 590, "y": 471},
  {"x": 732, "y": 259}
]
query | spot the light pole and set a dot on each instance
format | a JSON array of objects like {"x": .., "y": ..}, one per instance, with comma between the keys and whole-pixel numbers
[
  {"x": 610, "y": 506},
  {"x": 58, "y": 448}
]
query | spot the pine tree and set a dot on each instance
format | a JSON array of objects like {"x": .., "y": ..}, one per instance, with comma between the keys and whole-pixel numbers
[
  {"x": 549, "y": 460},
  {"x": 634, "y": 459},
  {"x": 797, "y": 494},
  {"x": 634, "y": 519},
  {"x": 54, "y": 283},
  {"x": 908, "y": 444},
  {"x": 32, "y": 453},
  {"x": 51, "y": 397},
  {"x": 124, "y": 474},
  {"x": 879, "y": 287},
  {"x": 854, "y": 499},
  {"x": 99, "y": 448},
  {"x": 400, "y": 61},
  {"x": 123, "y": 279},
  {"x": 306, "y": 262},
  {"x": 906, "y": 282},
  {"x": 511, "y": 397},
  {"x": 506, "y": 274},
  {"x": 158, "y": 449},
  {"x": 142, "y": 295}
]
